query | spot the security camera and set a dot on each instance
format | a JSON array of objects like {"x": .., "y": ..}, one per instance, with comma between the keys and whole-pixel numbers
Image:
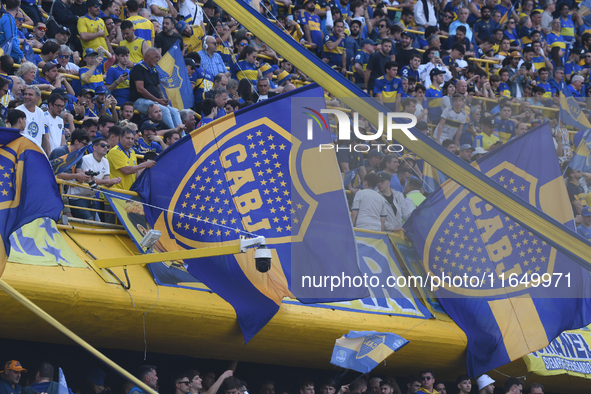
[{"x": 262, "y": 258}]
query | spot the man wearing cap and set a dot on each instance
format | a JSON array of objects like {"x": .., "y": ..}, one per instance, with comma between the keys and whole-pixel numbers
[
  {"x": 361, "y": 59},
  {"x": 103, "y": 103},
  {"x": 52, "y": 77},
  {"x": 485, "y": 385},
  {"x": 91, "y": 75},
  {"x": 369, "y": 209},
  {"x": 451, "y": 60},
  {"x": 434, "y": 94},
  {"x": 585, "y": 228},
  {"x": 572, "y": 66},
  {"x": 10, "y": 377},
  {"x": 398, "y": 209},
  {"x": 486, "y": 140},
  {"x": 372, "y": 163},
  {"x": 149, "y": 141},
  {"x": 92, "y": 29},
  {"x": 311, "y": 26},
  {"x": 192, "y": 35},
  {"x": 466, "y": 153},
  {"x": 62, "y": 36},
  {"x": 84, "y": 107}
]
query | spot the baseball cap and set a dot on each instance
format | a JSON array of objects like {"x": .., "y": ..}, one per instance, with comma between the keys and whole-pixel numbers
[
  {"x": 586, "y": 211},
  {"x": 90, "y": 51},
  {"x": 64, "y": 30},
  {"x": 408, "y": 156},
  {"x": 436, "y": 71},
  {"x": 190, "y": 62},
  {"x": 307, "y": 1},
  {"x": 86, "y": 91},
  {"x": 579, "y": 51},
  {"x": 181, "y": 26},
  {"x": 209, "y": 4},
  {"x": 488, "y": 121},
  {"x": 149, "y": 125},
  {"x": 62, "y": 92},
  {"x": 100, "y": 90},
  {"x": 384, "y": 176},
  {"x": 14, "y": 365},
  {"x": 484, "y": 380},
  {"x": 96, "y": 376},
  {"x": 466, "y": 146},
  {"x": 368, "y": 41},
  {"x": 515, "y": 54},
  {"x": 405, "y": 33},
  {"x": 268, "y": 69},
  {"x": 91, "y": 3},
  {"x": 479, "y": 151},
  {"x": 48, "y": 66},
  {"x": 374, "y": 152}
]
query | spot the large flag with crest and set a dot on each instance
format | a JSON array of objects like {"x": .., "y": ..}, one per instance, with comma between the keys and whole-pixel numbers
[
  {"x": 511, "y": 292},
  {"x": 27, "y": 187},
  {"x": 254, "y": 172},
  {"x": 174, "y": 78}
]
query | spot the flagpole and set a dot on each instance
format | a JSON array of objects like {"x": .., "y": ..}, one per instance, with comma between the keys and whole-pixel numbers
[{"x": 60, "y": 327}]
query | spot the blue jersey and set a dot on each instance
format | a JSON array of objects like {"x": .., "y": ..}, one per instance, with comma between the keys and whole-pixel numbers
[
  {"x": 407, "y": 72},
  {"x": 142, "y": 147},
  {"x": 388, "y": 89},
  {"x": 96, "y": 79},
  {"x": 433, "y": 96},
  {"x": 362, "y": 58},
  {"x": 243, "y": 69},
  {"x": 345, "y": 11},
  {"x": 571, "y": 68},
  {"x": 313, "y": 23},
  {"x": 334, "y": 56},
  {"x": 203, "y": 82},
  {"x": 484, "y": 28},
  {"x": 506, "y": 129},
  {"x": 121, "y": 91},
  {"x": 584, "y": 231}
]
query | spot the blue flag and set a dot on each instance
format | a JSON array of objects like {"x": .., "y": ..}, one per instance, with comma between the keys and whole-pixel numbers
[
  {"x": 581, "y": 159},
  {"x": 174, "y": 78},
  {"x": 27, "y": 187},
  {"x": 254, "y": 172},
  {"x": 65, "y": 162},
  {"x": 362, "y": 351},
  {"x": 570, "y": 112},
  {"x": 511, "y": 292}
]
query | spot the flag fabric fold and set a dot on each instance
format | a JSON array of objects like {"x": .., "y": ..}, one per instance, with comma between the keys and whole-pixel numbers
[
  {"x": 65, "y": 162},
  {"x": 362, "y": 351},
  {"x": 570, "y": 112},
  {"x": 174, "y": 78},
  {"x": 255, "y": 172},
  {"x": 511, "y": 301},
  {"x": 24, "y": 172}
]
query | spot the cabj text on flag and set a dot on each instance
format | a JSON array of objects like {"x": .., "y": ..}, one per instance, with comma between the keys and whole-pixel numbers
[{"x": 255, "y": 173}]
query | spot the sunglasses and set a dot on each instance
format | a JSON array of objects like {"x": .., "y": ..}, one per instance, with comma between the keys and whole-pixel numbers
[
  {"x": 243, "y": 44},
  {"x": 41, "y": 28},
  {"x": 20, "y": 19},
  {"x": 447, "y": 16},
  {"x": 383, "y": 25},
  {"x": 427, "y": 378},
  {"x": 108, "y": 146},
  {"x": 64, "y": 56}
]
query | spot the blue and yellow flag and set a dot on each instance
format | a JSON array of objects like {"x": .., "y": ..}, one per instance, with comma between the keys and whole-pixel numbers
[
  {"x": 581, "y": 159},
  {"x": 362, "y": 351},
  {"x": 254, "y": 172},
  {"x": 27, "y": 187},
  {"x": 570, "y": 111},
  {"x": 65, "y": 162},
  {"x": 432, "y": 178},
  {"x": 506, "y": 17},
  {"x": 504, "y": 286},
  {"x": 174, "y": 78}
]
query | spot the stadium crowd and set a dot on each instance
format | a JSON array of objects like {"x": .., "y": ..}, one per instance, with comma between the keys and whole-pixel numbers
[
  {"x": 476, "y": 74},
  {"x": 96, "y": 381}
]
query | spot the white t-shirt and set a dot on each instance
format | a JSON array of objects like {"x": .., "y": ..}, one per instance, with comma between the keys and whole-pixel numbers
[
  {"x": 55, "y": 128},
  {"x": 35, "y": 127},
  {"x": 162, "y": 4},
  {"x": 372, "y": 207},
  {"x": 187, "y": 9},
  {"x": 90, "y": 163},
  {"x": 453, "y": 122}
]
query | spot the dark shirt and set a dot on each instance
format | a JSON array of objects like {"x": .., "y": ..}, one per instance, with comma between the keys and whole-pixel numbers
[
  {"x": 165, "y": 41},
  {"x": 141, "y": 72},
  {"x": 78, "y": 9},
  {"x": 575, "y": 193},
  {"x": 451, "y": 40},
  {"x": 6, "y": 387},
  {"x": 64, "y": 16},
  {"x": 377, "y": 64},
  {"x": 403, "y": 56}
]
